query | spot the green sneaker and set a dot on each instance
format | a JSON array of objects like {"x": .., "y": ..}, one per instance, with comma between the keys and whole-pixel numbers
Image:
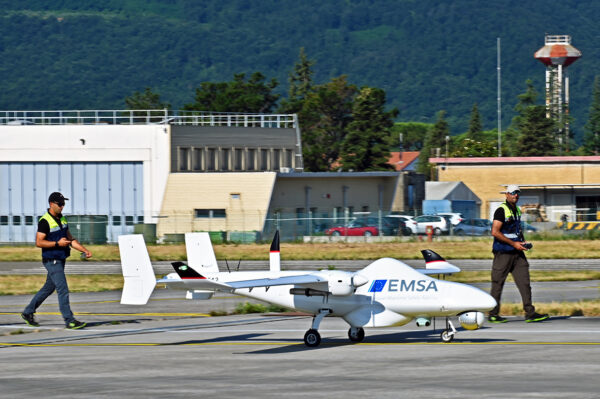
[
  {"x": 536, "y": 317},
  {"x": 497, "y": 319},
  {"x": 75, "y": 325},
  {"x": 30, "y": 320}
]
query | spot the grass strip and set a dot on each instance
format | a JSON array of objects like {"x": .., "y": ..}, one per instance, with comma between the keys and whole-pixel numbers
[{"x": 476, "y": 248}]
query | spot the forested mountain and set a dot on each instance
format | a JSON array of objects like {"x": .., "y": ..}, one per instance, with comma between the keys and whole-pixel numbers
[{"x": 427, "y": 55}]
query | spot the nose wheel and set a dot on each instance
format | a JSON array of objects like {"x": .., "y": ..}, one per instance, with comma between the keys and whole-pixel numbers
[
  {"x": 356, "y": 334},
  {"x": 448, "y": 334}
]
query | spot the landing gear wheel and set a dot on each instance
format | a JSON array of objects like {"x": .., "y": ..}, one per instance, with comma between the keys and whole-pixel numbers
[
  {"x": 446, "y": 336},
  {"x": 312, "y": 338},
  {"x": 356, "y": 334}
]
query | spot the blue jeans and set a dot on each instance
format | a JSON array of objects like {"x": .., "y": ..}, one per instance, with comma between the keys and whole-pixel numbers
[{"x": 55, "y": 280}]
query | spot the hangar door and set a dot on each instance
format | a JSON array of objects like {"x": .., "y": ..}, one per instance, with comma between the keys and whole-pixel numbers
[{"x": 105, "y": 198}]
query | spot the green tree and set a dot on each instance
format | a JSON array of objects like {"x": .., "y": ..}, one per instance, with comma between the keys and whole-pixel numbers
[
  {"x": 409, "y": 135},
  {"x": 591, "y": 137},
  {"x": 238, "y": 95},
  {"x": 537, "y": 133},
  {"x": 145, "y": 100},
  {"x": 466, "y": 147},
  {"x": 511, "y": 136},
  {"x": 435, "y": 139},
  {"x": 475, "y": 128},
  {"x": 301, "y": 84},
  {"x": 324, "y": 116},
  {"x": 366, "y": 145}
]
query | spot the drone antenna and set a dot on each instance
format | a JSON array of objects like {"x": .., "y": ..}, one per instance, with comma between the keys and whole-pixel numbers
[
  {"x": 238, "y": 266},
  {"x": 227, "y": 264}
]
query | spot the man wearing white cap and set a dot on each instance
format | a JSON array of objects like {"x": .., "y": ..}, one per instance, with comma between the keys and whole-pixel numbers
[{"x": 509, "y": 256}]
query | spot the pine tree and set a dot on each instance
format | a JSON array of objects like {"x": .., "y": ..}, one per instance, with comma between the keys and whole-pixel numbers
[
  {"x": 537, "y": 133},
  {"x": 475, "y": 128},
  {"x": 436, "y": 138},
  {"x": 366, "y": 145},
  {"x": 591, "y": 137},
  {"x": 512, "y": 134},
  {"x": 301, "y": 84}
]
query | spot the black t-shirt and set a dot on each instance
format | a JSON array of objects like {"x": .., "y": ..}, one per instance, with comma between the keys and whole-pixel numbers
[
  {"x": 499, "y": 213},
  {"x": 44, "y": 227}
]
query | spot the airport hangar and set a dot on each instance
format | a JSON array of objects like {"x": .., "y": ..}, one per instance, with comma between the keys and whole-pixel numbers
[
  {"x": 551, "y": 186},
  {"x": 176, "y": 172}
]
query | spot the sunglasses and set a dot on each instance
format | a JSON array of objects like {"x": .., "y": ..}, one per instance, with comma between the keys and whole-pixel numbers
[
  {"x": 60, "y": 203},
  {"x": 515, "y": 193}
]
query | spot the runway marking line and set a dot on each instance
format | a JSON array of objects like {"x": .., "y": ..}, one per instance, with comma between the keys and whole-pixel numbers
[{"x": 9, "y": 344}]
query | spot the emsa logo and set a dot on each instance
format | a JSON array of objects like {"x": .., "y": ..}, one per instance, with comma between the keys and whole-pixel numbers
[{"x": 403, "y": 285}]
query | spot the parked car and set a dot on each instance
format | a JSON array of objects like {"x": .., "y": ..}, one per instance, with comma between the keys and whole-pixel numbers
[
  {"x": 389, "y": 226},
  {"x": 398, "y": 226},
  {"x": 473, "y": 227},
  {"x": 357, "y": 227},
  {"x": 438, "y": 223},
  {"x": 455, "y": 218},
  {"x": 409, "y": 222}
]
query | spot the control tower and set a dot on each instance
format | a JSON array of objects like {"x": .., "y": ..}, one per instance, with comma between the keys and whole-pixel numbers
[{"x": 557, "y": 54}]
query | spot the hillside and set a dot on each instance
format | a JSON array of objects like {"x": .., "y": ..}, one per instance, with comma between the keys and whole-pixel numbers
[{"x": 426, "y": 55}]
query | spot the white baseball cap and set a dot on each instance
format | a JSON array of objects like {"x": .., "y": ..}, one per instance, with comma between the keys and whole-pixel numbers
[{"x": 511, "y": 188}]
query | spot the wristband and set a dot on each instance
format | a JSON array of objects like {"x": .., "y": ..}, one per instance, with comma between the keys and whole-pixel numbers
[{"x": 56, "y": 244}]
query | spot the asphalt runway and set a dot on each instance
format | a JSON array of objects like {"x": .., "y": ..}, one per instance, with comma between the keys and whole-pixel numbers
[{"x": 173, "y": 348}]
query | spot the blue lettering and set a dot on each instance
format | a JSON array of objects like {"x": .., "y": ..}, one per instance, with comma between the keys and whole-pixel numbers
[
  {"x": 412, "y": 285},
  {"x": 431, "y": 286}
]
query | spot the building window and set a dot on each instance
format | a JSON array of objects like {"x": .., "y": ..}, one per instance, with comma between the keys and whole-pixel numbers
[
  {"x": 276, "y": 160},
  {"x": 238, "y": 160},
  {"x": 236, "y": 196},
  {"x": 28, "y": 220},
  {"x": 128, "y": 220},
  {"x": 184, "y": 154},
  {"x": 3, "y": 220},
  {"x": 116, "y": 220},
  {"x": 140, "y": 219},
  {"x": 225, "y": 158},
  {"x": 211, "y": 161},
  {"x": 251, "y": 155},
  {"x": 197, "y": 161},
  {"x": 16, "y": 220},
  {"x": 264, "y": 160},
  {"x": 210, "y": 213},
  {"x": 289, "y": 154}
]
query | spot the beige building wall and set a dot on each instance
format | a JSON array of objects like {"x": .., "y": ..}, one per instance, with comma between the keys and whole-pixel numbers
[
  {"x": 245, "y": 197},
  {"x": 487, "y": 178}
]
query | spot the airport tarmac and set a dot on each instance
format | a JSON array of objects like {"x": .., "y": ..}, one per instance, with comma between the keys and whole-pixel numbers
[{"x": 173, "y": 348}]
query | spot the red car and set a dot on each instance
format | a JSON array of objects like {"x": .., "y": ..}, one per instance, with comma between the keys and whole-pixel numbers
[{"x": 355, "y": 228}]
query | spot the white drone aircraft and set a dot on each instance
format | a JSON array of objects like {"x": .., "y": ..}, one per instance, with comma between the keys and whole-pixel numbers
[{"x": 387, "y": 292}]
